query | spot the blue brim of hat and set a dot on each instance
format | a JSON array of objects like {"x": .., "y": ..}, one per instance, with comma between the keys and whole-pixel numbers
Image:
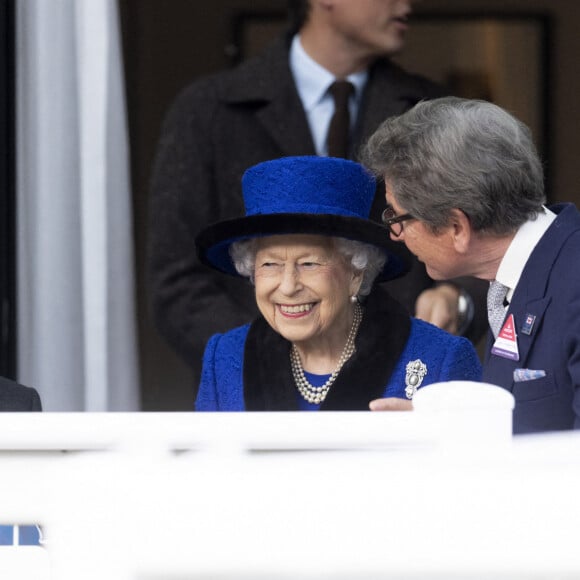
[{"x": 213, "y": 243}]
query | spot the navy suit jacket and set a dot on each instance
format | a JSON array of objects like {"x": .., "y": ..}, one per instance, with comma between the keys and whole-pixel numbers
[
  {"x": 548, "y": 295},
  {"x": 15, "y": 397}
]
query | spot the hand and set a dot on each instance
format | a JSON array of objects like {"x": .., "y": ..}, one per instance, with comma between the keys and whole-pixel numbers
[
  {"x": 391, "y": 404},
  {"x": 438, "y": 306}
]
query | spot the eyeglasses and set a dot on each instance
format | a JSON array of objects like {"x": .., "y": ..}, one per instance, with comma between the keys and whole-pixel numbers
[{"x": 393, "y": 221}]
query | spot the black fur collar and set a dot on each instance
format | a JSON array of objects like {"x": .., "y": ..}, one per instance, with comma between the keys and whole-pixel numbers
[{"x": 268, "y": 381}]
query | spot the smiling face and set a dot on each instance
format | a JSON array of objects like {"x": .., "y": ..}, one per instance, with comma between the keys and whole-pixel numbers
[{"x": 303, "y": 289}]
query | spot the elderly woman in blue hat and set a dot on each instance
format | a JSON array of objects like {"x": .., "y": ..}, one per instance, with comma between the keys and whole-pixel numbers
[{"x": 329, "y": 337}]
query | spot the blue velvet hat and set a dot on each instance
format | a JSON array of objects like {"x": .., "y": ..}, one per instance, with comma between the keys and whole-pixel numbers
[{"x": 303, "y": 195}]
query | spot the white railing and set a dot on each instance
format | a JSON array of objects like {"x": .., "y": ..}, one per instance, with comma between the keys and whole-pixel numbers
[{"x": 287, "y": 495}]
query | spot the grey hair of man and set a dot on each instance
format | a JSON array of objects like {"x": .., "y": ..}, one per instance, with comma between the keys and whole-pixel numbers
[
  {"x": 362, "y": 257},
  {"x": 460, "y": 153}
]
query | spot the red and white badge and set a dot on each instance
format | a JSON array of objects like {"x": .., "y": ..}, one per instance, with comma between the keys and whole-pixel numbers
[{"x": 506, "y": 343}]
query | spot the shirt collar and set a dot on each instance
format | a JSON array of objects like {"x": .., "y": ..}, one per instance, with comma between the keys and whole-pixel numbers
[
  {"x": 312, "y": 80},
  {"x": 521, "y": 248}
]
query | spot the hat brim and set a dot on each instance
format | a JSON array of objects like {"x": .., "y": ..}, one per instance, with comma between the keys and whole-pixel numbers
[{"x": 213, "y": 243}]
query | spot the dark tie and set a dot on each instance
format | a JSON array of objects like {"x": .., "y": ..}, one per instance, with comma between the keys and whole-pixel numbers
[
  {"x": 495, "y": 306},
  {"x": 339, "y": 128}
]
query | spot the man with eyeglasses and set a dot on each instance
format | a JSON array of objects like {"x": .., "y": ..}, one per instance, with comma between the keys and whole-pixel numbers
[
  {"x": 465, "y": 193},
  {"x": 393, "y": 221}
]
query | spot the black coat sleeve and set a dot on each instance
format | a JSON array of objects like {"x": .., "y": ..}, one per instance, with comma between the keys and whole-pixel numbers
[
  {"x": 16, "y": 398},
  {"x": 189, "y": 301}
]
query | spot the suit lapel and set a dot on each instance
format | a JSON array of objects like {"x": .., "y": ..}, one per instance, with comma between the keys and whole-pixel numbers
[
  {"x": 530, "y": 298},
  {"x": 266, "y": 84},
  {"x": 285, "y": 121},
  {"x": 389, "y": 91},
  {"x": 535, "y": 308},
  {"x": 497, "y": 366}
]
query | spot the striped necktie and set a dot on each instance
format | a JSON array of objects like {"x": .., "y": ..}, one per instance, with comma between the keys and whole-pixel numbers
[
  {"x": 495, "y": 306},
  {"x": 339, "y": 128}
]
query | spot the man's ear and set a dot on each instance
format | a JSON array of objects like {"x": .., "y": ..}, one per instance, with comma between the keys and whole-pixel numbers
[{"x": 460, "y": 230}]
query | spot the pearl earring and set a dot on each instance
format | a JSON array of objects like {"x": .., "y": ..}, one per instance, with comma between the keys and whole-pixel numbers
[{"x": 354, "y": 299}]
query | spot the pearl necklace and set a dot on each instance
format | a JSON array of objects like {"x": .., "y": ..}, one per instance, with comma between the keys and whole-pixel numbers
[{"x": 317, "y": 394}]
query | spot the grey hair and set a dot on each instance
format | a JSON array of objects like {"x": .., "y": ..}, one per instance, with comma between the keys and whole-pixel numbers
[
  {"x": 459, "y": 153},
  {"x": 365, "y": 258}
]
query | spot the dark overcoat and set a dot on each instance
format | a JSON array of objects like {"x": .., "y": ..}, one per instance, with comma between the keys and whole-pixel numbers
[{"x": 15, "y": 397}]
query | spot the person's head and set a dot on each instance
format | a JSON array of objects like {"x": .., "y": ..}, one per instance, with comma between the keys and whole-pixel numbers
[
  {"x": 306, "y": 283},
  {"x": 306, "y": 242},
  {"x": 364, "y": 29},
  {"x": 451, "y": 163}
]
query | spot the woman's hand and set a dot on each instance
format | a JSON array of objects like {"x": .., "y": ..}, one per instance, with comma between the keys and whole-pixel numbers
[{"x": 391, "y": 404}]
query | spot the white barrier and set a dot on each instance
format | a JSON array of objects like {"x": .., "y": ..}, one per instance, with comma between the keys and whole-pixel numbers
[
  {"x": 288, "y": 495},
  {"x": 466, "y": 412}
]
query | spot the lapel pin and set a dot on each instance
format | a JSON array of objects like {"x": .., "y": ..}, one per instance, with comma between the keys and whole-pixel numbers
[{"x": 528, "y": 324}]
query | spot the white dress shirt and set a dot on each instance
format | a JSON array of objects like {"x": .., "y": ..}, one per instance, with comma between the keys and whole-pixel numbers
[
  {"x": 312, "y": 82},
  {"x": 521, "y": 248}
]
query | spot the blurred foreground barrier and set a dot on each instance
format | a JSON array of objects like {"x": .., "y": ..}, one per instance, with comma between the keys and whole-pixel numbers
[
  {"x": 466, "y": 413},
  {"x": 279, "y": 496}
]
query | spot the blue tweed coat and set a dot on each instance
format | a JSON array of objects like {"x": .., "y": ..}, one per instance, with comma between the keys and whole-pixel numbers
[{"x": 248, "y": 368}]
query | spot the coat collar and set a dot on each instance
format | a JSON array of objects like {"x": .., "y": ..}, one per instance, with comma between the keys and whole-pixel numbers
[
  {"x": 390, "y": 91},
  {"x": 268, "y": 381},
  {"x": 265, "y": 83}
]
